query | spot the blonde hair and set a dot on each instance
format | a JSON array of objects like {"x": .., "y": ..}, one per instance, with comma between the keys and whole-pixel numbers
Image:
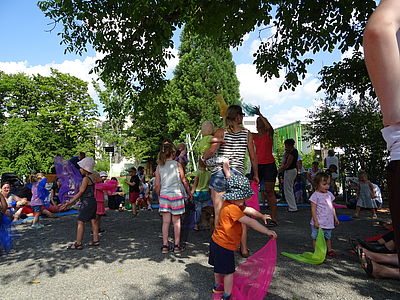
[
  {"x": 167, "y": 151},
  {"x": 230, "y": 120},
  {"x": 207, "y": 128},
  {"x": 36, "y": 177}
]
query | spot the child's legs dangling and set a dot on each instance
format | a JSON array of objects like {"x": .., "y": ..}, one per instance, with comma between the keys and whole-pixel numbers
[
  {"x": 176, "y": 221},
  {"x": 165, "y": 226}
]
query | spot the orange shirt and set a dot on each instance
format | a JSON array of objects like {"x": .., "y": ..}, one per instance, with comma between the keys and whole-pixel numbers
[{"x": 228, "y": 232}]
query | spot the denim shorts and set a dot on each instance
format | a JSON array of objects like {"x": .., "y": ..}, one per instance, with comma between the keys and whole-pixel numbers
[
  {"x": 36, "y": 208},
  {"x": 218, "y": 180},
  {"x": 327, "y": 233}
]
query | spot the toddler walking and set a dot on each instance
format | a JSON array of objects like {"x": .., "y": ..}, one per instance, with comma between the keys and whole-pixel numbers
[
  {"x": 227, "y": 234},
  {"x": 322, "y": 211},
  {"x": 365, "y": 195},
  {"x": 170, "y": 177}
]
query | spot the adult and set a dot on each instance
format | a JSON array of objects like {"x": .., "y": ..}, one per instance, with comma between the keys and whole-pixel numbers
[
  {"x": 267, "y": 171},
  {"x": 238, "y": 140},
  {"x": 381, "y": 51},
  {"x": 289, "y": 167},
  {"x": 331, "y": 159},
  {"x": 74, "y": 160},
  {"x": 15, "y": 204}
]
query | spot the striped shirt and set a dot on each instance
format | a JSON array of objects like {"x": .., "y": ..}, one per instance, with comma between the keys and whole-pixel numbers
[{"x": 234, "y": 150}]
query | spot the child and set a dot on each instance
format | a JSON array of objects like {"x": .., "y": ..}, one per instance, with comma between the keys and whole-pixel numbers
[
  {"x": 227, "y": 234},
  {"x": 201, "y": 192},
  {"x": 181, "y": 155},
  {"x": 88, "y": 208},
  {"x": 169, "y": 179},
  {"x": 207, "y": 130},
  {"x": 322, "y": 211},
  {"x": 332, "y": 172},
  {"x": 365, "y": 195},
  {"x": 36, "y": 202},
  {"x": 134, "y": 188}
]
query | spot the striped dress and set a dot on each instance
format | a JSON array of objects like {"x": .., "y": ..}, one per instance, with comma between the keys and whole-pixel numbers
[
  {"x": 171, "y": 197},
  {"x": 234, "y": 150}
]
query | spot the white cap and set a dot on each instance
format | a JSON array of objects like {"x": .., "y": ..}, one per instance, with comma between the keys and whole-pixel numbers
[{"x": 103, "y": 174}]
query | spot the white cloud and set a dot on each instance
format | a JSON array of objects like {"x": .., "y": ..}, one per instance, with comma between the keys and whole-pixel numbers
[
  {"x": 284, "y": 117},
  {"x": 254, "y": 90}
]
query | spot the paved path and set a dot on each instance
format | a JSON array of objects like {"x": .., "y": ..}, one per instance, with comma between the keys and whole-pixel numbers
[{"x": 129, "y": 264}]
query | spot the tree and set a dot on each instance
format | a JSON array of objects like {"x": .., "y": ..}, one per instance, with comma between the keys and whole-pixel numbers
[
  {"x": 136, "y": 36},
  {"x": 43, "y": 117},
  {"x": 204, "y": 70},
  {"x": 354, "y": 126}
]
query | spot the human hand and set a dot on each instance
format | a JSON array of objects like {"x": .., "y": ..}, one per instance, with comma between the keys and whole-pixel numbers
[
  {"x": 316, "y": 224},
  {"x": 64, "y": 206},
  {"x": 266, "y": 217},
  {"x": 336, "y": 221},
  {"x": 272, "y": 234},
  {"x": 257, "y": 110},
  {"x": 256, "y": 179}
]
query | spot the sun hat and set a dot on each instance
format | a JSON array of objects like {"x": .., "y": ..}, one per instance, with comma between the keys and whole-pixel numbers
[
  {"x": 238, "y": 188},
  {"x": 103, "y": 174},
  {"x": 87, "y": 164}
]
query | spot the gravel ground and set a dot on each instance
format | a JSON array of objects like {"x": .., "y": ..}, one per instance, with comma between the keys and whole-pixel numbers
[{"x": 129, "y": 265}]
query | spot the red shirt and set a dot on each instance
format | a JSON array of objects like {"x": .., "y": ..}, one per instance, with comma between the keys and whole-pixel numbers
[{"x": 264, "y": 145}]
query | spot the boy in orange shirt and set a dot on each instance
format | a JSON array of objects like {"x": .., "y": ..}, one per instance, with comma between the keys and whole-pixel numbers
[{"x": 227, "y": 234}]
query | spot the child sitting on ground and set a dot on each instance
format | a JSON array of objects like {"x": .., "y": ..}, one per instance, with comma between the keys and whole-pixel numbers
[
  {"x": 207, "y": 130},
  {"x": 322, "y": 211},
  {"x": 227, "y": 234}
]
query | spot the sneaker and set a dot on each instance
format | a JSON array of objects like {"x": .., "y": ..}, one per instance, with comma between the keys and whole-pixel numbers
[
  {"x": 218, "y": 289},
  {"x": 40, "y": 225},
  {"x": 35, "y": 226}
]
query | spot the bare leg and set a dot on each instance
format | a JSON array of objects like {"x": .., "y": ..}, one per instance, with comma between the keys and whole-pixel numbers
[
  {"x": 176, "y": 221},
  {"x": 313, "y": 244},
  {"x": 270, "y": 193},
  {"x": 165, "y": 227},
  {"x": 219, "y": 278},
  {"x": 36, "y": 218},
  {"x": 217, "y": 201},
  {"x": 79, "y": 232},
  {"x": 228, "y": 283},
  {"x": 357, "y": 213},
  {"x": 328, "y": 245},
  {"x": 95, "y": 229},
  {"x": 391, "y": 259}
]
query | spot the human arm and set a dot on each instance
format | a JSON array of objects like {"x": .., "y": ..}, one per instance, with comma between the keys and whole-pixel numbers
[
  {"x": 287, "y": 163},
  {"x": 257, "y": 226},
  {"x": 3, "y": 204},
  {"x": 253, "y": 157},
  {"x": 314, "y": 214},
  {"x": 184, "y": 180},
  {"x": 266, "y": 123},
  {"x": 219, "y": 134},
  {"x": 157, "y": 182},
  {"x": 255, "y": 213},
  {"x": 76, "y": 197},
  {"x": 195, "y": 184},
  {"x": 217, "y": 140},
  {"x": 372, "y": 190}
]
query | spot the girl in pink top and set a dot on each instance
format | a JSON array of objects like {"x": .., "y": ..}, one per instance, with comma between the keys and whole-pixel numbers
[{"x": 322, "y": 211}]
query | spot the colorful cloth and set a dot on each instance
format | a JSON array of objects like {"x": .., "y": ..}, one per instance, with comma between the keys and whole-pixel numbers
[
  {"x": 70, "y": 178},
  {"x": 173, "y": 205},
  {"x": 325, "y": 210},
  {"x": 253, "y": 202},
  {"x": 6, "y": 237},
  {"x": 315, "y": 258},
  {"x": 252, "y": 278}
]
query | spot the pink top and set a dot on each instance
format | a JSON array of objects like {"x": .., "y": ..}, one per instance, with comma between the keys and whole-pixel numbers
[{"x": 324, "y": 202}]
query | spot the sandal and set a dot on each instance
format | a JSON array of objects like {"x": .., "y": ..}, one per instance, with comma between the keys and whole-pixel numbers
[
  {"x": 164, "y": 249},
  {"x": 354, "y": 244},
  {"x": 75, "y": 246},
  {"x": 178, "y": 248},
  {"x": 332, "y": 254},
  {"x": 94, "y": 243},
  {"x": 366, "y": 264}
]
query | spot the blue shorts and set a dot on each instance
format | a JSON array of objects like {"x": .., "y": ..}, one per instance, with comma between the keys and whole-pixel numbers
[
  {"x": 218, "y": 180},
  {"x": 36, "y": 208},
  {"x": 222, "y": 259},
  {"x": 202, "y": 196},
  {"x": 327, "y": 233}
]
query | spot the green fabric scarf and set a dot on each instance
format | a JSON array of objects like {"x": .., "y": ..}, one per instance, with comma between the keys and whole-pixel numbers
[{"x": 315, "y": 258}]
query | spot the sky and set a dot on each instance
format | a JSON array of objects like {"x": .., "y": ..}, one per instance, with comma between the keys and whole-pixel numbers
[{"x": 27, "y": 45}]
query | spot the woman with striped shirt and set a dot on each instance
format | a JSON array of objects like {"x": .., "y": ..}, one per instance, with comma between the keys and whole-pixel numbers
[{"x": 237, "y": 141}]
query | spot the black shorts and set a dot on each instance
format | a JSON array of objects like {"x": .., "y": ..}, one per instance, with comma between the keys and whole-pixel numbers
[
  {"x": 222, "y": 259},
  {"x": 88, "y": 209},
  {"x": 266, "y": 173}
]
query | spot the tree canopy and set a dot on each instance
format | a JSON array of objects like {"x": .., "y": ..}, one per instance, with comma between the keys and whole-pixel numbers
[
  {"x": 136, "y": 36},
  {"x": 41, "y": 117}
]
